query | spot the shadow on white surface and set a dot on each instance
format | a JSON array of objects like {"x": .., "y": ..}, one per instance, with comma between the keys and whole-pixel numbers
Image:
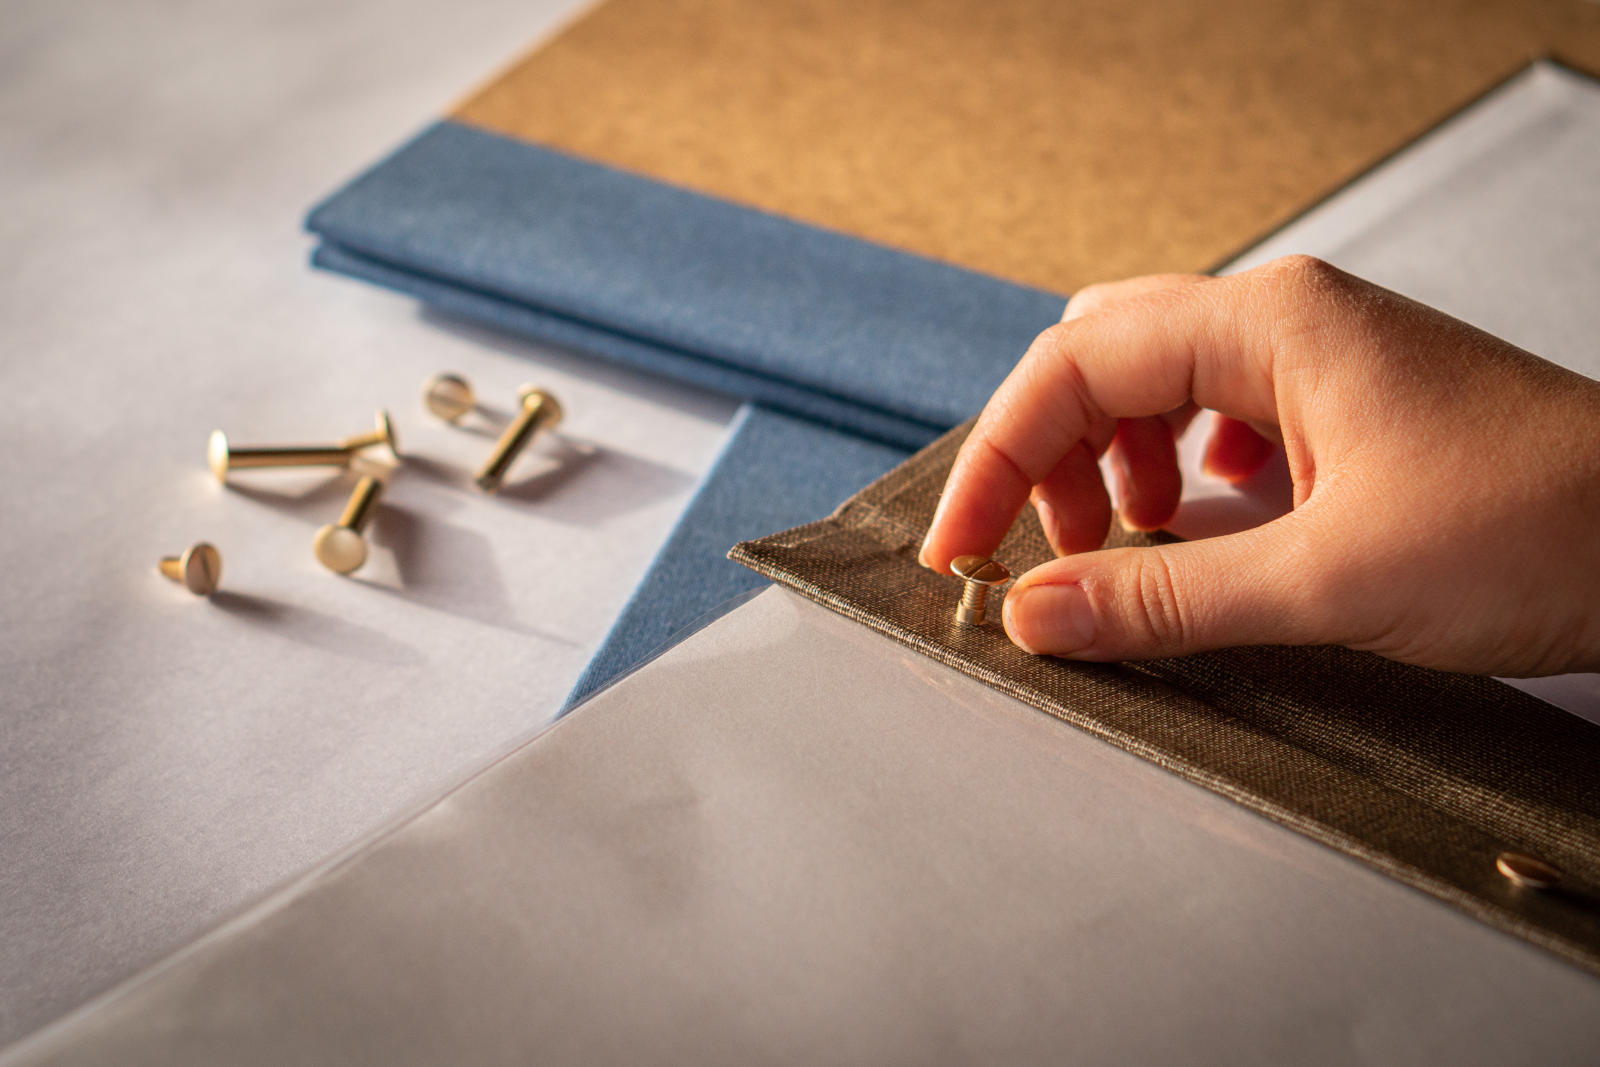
[
  {"x": 446, "y": 474},
  {"x": 485, "y": 420},
  {"x": 316, "y": 629},
  {"x": 319, "y": 497}
]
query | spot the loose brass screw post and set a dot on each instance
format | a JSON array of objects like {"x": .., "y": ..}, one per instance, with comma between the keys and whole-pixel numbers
[
  {"x": 448, "y": 396},
  {"x": 224, "y": 457},
  {"x": 339, "y": 546},
  {"x": 198, "y": 570},
  {"x": 540, "y": 410}
]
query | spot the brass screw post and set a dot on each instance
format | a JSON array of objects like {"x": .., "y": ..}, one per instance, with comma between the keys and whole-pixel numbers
[
  {"x": 980, "y": 573},
  {"x": 340, "y": 546},
  {"x": 448, "y": 396},
  {"x": 382, "y": 434},
  {"x": 224, "y": 457},
  {"x": 199, "y": 569},
  {"x": 539, "y": 411}
]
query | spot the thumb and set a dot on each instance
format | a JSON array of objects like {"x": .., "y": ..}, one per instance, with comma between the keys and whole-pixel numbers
[{"x": 1251, "y": 588}]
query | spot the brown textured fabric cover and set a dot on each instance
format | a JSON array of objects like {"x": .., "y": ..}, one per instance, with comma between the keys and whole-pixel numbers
[{"x": 1423, "y": 775}]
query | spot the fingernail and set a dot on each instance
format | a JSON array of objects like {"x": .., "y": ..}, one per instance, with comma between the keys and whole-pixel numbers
[
  {"x": 1047, "y": 522},
  {"x": 1121, "y": 475},
  {"x": 933, "y": 524},
  {"x": 1050, "y": 619},
  {"x": 1128, "y": 526}
]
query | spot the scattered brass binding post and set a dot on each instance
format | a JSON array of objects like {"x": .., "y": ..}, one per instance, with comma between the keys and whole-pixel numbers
[
  {"x": 539, "y": 411},
  {"x": 339, "y": 546},
  {"x": 198, "y": 570},
  {"x": 225, "y": 458},
  {"x": 449, "y": 396},
  {"x": 382, "y": 434},
  {"x": 979, "y": 572}
]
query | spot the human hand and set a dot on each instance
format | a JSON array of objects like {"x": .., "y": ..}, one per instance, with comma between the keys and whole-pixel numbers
[{"x": 1446, "y": 483}]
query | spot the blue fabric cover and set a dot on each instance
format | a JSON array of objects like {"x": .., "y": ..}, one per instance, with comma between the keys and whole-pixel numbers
[
  {"x": 774, "y": 472},
  {"x": 890, "y": 344},
  {"x": 541, "y": 325}
]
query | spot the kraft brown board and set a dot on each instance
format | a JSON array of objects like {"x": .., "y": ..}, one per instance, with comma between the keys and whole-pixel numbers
[{"x": 1050, "y": 143}]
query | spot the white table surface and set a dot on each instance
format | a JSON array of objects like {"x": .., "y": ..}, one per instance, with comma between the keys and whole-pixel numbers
[{"x": 165, "y": 760}]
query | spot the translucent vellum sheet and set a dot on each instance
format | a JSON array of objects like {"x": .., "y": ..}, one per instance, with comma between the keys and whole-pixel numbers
[{"x": 841, "y": 852}]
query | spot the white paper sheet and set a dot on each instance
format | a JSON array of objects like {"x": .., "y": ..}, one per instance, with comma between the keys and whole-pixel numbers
[
  {"x": 841, "y": 852},
  {"x": 164, "y": 760}
]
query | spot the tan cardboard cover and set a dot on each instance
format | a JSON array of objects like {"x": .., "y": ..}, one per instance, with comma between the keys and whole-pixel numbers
[{"x": 1050, "y": 143}]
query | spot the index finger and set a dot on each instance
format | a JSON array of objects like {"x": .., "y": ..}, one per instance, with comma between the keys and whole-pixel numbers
[{"x": 1202, "y": 342}]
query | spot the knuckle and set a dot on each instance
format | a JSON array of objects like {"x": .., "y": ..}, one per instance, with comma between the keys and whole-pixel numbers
[
  {"x": 1305, "y": 273},
  {"x": 1051, "y": 369},
  {"x": 1305, "y": 297},
  {"x": 1053, "y": 342},
  {"x": 1300, "y": 282},
  {"x": 1154, "y": 610},
  {"x": 1087, "y": 299}
]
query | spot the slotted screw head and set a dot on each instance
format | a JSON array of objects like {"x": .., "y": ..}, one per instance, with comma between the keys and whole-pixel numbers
[
  {"x": 199, "y": 569},
  {"x": 979, "y": 572},
  {"x": 980, "y": 569},
  {"x": 449, "y": 396},
  {"x": 386, "y": 433}
]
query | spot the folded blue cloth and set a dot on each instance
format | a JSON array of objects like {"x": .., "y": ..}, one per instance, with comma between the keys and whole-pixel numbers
[{"x": 817, "y": 323}]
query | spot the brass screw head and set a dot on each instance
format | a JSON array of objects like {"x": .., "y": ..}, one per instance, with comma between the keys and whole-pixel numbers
[
  {"x": 217, "y": 455},
  {"x": 1527, "y": 872},
  {"x": 339, "y": 546},
  {"x": 199, "y": 569},
  {"x": 979, "y": 573},
  {"x": 449, "y": 396},
  {"x": 223, "y": 457},
  {"x": 539, "y": 411},
  {"x": 383, "y": 433}
]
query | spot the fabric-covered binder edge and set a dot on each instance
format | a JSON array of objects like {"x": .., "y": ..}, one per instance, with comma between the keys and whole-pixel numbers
[{"x": 1423, "y": 776}]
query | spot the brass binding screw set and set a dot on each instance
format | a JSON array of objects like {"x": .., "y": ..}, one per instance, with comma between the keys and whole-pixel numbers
[{"x": 340, "y": 546}]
